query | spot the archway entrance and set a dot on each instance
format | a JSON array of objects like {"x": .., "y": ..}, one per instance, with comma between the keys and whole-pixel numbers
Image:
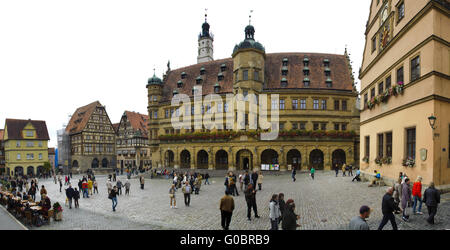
[
  {"x": 202, "y": 159},
  {"x": 294, "y": 158},
  {"x": 269, "y": 156},
  {"x": 221, "y": 159},
  {"x": 169, "y": 158},
  {"x": 185, "y": 159},
  {"x": 244, "y": 160},
  {"x": 338, "y": 157},
  {"x": 40, "y": 170},
  {"x": 75, "y": 164},
  {"x": 94, "y": 163},
  {"x": 316, "y": 159},
  {"x": 104, "y": 163},
  {"x": 30, "y": 171},
  {"x": 18, "y": 171}
]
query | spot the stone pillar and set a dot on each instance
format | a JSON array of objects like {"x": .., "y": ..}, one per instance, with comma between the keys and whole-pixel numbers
[
  {"x": 231, "y": 160},
  {"x": 283, "y": 164},
  {"x": 176, "y": 158},
  {"x": 305, "y": 158},
  {"x": 256, "y": 159},
  {"x": 211, "y": 163}
]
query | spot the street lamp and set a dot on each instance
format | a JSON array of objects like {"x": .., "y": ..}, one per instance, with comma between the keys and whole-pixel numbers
[{"x": 432, "y": 120}]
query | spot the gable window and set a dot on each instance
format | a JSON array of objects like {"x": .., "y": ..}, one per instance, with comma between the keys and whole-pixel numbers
[
  {"x": 415, "y": 68},
  {"x": 401, "y": 11},
  {"x": 294, "y": 104},
  {"x": 29, "y": 133},
  {"x": 245, "y": 75},
  {"x": 183, "y": 75},
  {"x": 329, "y": 82},
  {"x": 303, "y": 104},
  {"x": 315, "y": 104},
  {"x": 216, "y": 88},
  {"x": 380, "y": 88},
  {"x": 388, "y": 82},
  {"x": 336, "y": 105},
  {"x": 400, "y": 75}
]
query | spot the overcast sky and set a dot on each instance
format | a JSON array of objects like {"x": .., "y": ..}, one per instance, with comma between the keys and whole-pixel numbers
[{"x": 57, "y": 55}]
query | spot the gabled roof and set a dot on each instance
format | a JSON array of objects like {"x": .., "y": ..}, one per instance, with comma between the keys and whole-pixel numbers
[
  {"x": 81, "y": 117},
  {"x": 138, "y": 122},
  {"x": 16, "y": 126},
  {"x": 116, "y": 127}
]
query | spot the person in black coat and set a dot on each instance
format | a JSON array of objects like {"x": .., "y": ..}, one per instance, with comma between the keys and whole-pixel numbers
[
  {"x": 289, "y": 219},
  {"x": 431, "y": 198},
  {"x": 282, "y": 205},
  {"x": 246, "y": 180},
  {"x": 254, "y": 178},
  {"x": 76, "y": 197},
  {"x": 388, "y": 208},
  {"x": 69, "y": 194},
  {"x": 250, "y": 198}
]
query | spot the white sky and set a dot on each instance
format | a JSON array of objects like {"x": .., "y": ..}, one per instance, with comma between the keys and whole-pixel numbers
[{"x": 57, "y": 55}]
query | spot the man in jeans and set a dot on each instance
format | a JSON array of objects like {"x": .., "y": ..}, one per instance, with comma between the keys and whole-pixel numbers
[
  {"x": 417, "y": 195},
  {"x": 388, "y": 208},
  {"x": 187, "y": 193}
]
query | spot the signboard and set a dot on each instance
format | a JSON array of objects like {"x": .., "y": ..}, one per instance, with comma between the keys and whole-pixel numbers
[{"x": 270, "y": 167}]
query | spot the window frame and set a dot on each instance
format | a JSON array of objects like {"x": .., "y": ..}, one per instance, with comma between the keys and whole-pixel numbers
[
  {"x": 415, "y": 75},
  {"x": 409, "y": 143},
  {"x": 367, "y": 146}
]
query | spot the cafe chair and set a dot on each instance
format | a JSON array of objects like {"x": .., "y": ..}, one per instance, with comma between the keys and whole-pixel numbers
[{"x": 28, "y": 218}]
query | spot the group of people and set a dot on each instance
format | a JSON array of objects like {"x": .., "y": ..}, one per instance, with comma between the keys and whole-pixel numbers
[
  {"x": 399, "y": 199},
  {"x": 312, "y": 172},
  {"x": 189, "y": 184}
]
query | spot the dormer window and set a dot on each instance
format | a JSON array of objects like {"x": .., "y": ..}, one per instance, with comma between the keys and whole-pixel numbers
[
  {"x": 175, "y": 92},
  {"x": 202, "y": 71},
  {"x": 284, "y": 82},
  {"x": 306, "y": 82},
  {"x": 216, "y": 88},
  {"x": 284, "y": 70},
  {"x": 326, "y": 63},
  {"x": 183, "y": 75},
  {"x": 220, "y": 76},
  {"x": 199, "y": 80},
  {"x": 285, "y": 62},
  {"x": 329, "y": 82},
  {"x": 327, "y": 71},
  {"x": 223, "y": 67},
  {"x": 180, "y": 84},
  {"x": 306, "y": 71},
  {"x": 306, "y": 61}
]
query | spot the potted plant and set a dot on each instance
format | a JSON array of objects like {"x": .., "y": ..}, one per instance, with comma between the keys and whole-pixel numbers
[
  {"x": 57, "y": 211},
  {"x": 378, "y": 160},
  {"x": 387, "y": 160},
  {"x": 365, "y": 159},
  {"x": 399, "y": 88},
  {"x": 409, "y": 162}
]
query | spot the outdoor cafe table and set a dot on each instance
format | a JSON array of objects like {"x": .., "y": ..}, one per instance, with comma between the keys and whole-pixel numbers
[{"x": 37, "y": 208}]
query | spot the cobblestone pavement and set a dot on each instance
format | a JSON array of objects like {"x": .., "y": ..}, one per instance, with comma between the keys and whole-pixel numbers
[{"x": 327, "y": 202}]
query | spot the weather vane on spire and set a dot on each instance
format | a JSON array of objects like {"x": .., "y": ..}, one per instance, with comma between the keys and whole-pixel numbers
[
  {"x": 154, "y": 70},
  {"x": 250, "y": 17},
  {"x": 206, "y": 14}
]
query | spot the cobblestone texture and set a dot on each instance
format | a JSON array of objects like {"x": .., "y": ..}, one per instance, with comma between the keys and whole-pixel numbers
[{"x": 327, "y": 202}]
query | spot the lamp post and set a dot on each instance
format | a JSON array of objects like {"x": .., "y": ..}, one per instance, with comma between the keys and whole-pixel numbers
[{"x": 432, "y": 121}]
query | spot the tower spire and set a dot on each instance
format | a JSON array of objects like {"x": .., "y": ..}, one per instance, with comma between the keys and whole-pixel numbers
[{"x": 250, "y": 18}]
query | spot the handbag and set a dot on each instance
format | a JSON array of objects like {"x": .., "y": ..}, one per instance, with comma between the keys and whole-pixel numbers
[{"x": 171, "y": 195}]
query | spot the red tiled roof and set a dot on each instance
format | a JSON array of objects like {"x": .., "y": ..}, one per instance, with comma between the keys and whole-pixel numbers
[
  {"x": 16, "y": 126},
  {"x": 116, "y": 126},
  {"x": 81, "y": 116},
  {"x": 1, "y": 134},
  {"x": 339, "y": 68},
  {"x": 138, "y": 121}
]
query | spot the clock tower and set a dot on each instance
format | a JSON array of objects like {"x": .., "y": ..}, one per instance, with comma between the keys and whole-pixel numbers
[{"x": 205, "y": 44}]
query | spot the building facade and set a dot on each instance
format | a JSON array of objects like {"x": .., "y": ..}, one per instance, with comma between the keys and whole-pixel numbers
[
  {"x": 2, "y": 154},
  {"x": 405, "y": 85},
  {"x": 52, "y": 157},
  {"x": 26, "y": 146},
  {"x": 132, "y": 145},
  {"x": 318, "y": 118},
  {"x": 92, "y": 139}
]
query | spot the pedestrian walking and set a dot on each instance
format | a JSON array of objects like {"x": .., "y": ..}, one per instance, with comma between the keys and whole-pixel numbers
[
  {"x": 260, "y": 180},
  {"x": 90, "y": 186},
  {"x": 274, "y": 212},
  {"x": 417, "y": 195},
  {"x": 173, "y": 200},
  {"x": 432, "y": 198},
  {"x": 127, "y": 187},
  {"x": 60, "y": 185},
  {"x": 250, "y": 198},
  {"x": 344, "y": 169},
  {"x": 119, "y": 186},
  {"x": 254, "y": 178},
  {"x": 207, "y": 179},
  {"x": 282, "y": 205},
  {"x": 76, "y": 197},
  {"x": 142, "y": 181},
  {"x": 241, "y": 181},
  {"x": 187, "y": 193},
  {"x": 397, "y": 195},
  {"x": 85, "y": 187},
  {"x": 336, "y": 169},
  {"x": 109, "y": 186},
  {"x": 350, "y": 170},
  {"x": 359, "y": 222},
  {"x": 289, "y": 221},
  {"x": 388, "y": 208},
  {"x": 246, "y": 180},
  {"x": 43, "y": 191},
  {"x": 406, "y": 199},
  {"x": 226, "y": 207},
  {"x": 357, "y": 176},
  {"x": 114, "y": 176},
  {"x": 95, "y": 184},
  {"x": 69, "y": 194},
  {"x": 294, "y": 172},
  {"x": 313, "y": 170},
  {"x": 113, "y": 197}
]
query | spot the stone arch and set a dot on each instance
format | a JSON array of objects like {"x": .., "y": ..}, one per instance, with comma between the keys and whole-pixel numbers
[
  {"x": 75, "y": 164},
  {"x": 18, "y": 170},
  {"x": 202, "y": 159},
  {"x": 185, "y": 159},
  {"x": 105, "y": 163},
  {"x": 316, "y": 159},
  {"x": 269, "y": 156},
  {"x": 294, "y": 158},
  {"x": 94, "y": 163},
  {"x": 30, "y": 170},
  {"x": 244, "y": 159},
  {"x": 338, "y": 157},
  {"x": 221, "y": 159},
  {"x": 40, "y": 170},
  {"x": 169, "y": 158}
]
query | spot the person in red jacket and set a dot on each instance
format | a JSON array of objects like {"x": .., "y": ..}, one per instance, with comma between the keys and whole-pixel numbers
[{"x": 417, "y": 195}]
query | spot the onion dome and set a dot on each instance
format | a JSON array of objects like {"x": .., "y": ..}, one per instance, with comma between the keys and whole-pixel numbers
[
  {"x": 154, "y": 80},
  {"x": 249, "y": 41}
]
